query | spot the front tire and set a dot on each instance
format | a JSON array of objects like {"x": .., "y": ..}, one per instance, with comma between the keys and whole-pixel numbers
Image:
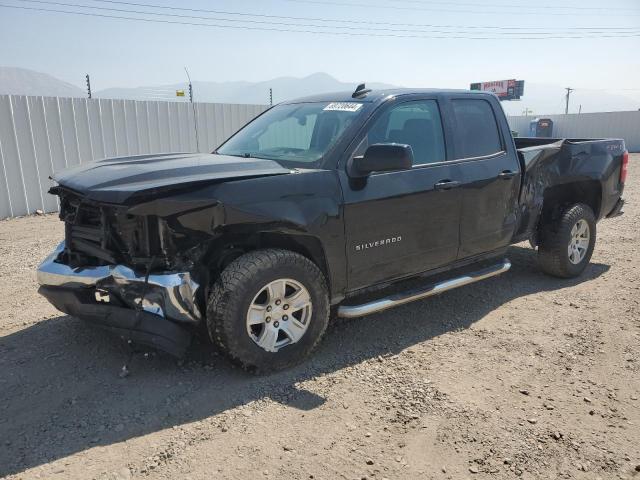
[
  {"x": 566, "y": 244},
  {"x": 268, "y": 309}
]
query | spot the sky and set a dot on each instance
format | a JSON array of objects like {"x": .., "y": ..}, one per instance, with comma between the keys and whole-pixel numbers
[{"x": 118, "y": 52}]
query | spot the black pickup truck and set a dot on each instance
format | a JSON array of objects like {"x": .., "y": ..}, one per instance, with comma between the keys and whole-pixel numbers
[{"x": 314, "y": 205}]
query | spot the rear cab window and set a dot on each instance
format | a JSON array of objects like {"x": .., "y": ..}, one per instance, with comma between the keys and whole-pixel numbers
[{"x": 476, "y": 132}]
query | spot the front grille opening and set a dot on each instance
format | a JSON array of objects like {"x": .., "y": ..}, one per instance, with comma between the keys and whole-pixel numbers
[{"x": 98, "y": 234}]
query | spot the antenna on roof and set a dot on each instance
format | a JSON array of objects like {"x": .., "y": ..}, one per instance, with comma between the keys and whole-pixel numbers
[{"x": 360, "y": 91}]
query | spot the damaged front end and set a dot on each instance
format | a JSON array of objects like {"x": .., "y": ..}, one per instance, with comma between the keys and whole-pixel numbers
[{"x": 120, "y": 272}]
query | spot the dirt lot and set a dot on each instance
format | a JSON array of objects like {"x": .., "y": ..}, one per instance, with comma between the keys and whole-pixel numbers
[{"x": 519, "y": 376}]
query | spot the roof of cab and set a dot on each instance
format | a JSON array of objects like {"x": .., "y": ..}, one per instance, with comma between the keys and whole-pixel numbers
[{"x": 376, "y": 96}]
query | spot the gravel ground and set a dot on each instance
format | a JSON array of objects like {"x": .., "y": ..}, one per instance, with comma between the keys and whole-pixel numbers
[{"x": 521, "y": 376}]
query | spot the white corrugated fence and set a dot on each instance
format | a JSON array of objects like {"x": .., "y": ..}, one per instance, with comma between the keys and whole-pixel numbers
[{"x": 41, "y": 135}]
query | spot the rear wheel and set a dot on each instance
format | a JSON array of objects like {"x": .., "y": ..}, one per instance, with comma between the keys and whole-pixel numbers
[
  {"x": 566, "y": 244},
  {"x": 268, "y": 309}
]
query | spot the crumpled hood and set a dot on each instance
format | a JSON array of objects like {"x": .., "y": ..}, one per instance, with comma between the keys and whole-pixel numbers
[{"x": 115, "y": 180}]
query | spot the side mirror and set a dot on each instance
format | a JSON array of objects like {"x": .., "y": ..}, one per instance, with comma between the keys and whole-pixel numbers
[{"x": 382, "y": 157}]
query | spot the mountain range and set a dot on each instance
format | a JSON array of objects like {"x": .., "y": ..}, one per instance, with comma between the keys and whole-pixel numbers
[
  {"x": 283, "y": 88},
  {"x": 20, "y": 81},
  {"x": 539, "y": 99}
]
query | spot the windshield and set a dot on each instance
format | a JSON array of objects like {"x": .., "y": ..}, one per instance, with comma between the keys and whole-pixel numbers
[{"x": 294, "y": 134}]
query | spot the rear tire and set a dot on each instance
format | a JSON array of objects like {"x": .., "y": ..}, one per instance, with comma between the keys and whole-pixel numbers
[
  {"x": 566, "y": 244},
  {"x": 293, "y": 289}
]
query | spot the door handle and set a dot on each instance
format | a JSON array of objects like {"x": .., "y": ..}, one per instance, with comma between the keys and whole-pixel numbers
[
  {"x": 446, "y": 185},
  {"x": 507, "y": 174}
]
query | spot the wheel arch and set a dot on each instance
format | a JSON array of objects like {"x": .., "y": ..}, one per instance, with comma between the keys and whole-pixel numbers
[
  {"x": 557, "y": 198},
  {"x": 231, "y": 246}
]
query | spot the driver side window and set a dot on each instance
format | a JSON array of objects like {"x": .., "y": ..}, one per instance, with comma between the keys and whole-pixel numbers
[{"x": 414, "y": 123}]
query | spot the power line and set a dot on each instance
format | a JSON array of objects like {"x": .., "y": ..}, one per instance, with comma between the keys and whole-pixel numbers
[
  {"x": 608, "y": 89},
  {"x": 480, "y": 12},
  {"x": 518, "y": 6},
  {"x": 342, "y": 20},
  {"x": 264, "y": 22},
  {"x": 318, "y": 32}
]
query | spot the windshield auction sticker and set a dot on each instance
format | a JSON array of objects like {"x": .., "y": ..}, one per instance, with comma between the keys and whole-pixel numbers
[{"x": 343, "y": 106}]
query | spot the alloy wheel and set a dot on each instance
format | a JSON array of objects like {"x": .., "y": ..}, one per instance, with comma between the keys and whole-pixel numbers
[
  {"x": 579, "y": 241},
  {"x": 279, "y": 314}
]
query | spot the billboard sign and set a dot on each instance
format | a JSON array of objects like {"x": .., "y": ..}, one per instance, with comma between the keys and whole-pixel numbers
[{"x": 504, "y": 89}]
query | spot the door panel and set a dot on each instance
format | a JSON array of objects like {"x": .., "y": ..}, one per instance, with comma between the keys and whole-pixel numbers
[
  {"x": 491, "y": 176},
  {"x": 398, "y": 224},
  {"x": 489, "y": 205}
]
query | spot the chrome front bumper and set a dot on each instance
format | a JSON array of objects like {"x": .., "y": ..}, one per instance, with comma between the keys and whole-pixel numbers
[{"x": 171, "y": 295}]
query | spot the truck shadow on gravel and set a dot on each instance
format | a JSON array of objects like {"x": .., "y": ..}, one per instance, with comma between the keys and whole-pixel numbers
[{"x": 61, "y": 392}]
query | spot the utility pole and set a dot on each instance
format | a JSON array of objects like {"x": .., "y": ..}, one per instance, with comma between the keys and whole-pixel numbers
[
  {"x": 88, "y": 85},
  {"x": 271, "y": 96},
  {"x": 569, "y": 90},
  {"x": 193, "y": 108},
  {"x": 527, "y": 111},
  {"x": 190, "y": 85}
]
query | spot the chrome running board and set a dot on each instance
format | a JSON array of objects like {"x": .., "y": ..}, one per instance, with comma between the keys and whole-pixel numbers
[{"x": 351, "y": 311}]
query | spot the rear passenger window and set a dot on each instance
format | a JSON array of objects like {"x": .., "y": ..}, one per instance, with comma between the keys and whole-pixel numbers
[
  {"x": 476, "y": 131},
  {"x": 413, "y": 123}
]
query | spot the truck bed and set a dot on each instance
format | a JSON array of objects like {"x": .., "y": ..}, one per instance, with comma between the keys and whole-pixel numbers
[
  {"x": 531, "y": 148},
  {"x": 548, "y": 164}
]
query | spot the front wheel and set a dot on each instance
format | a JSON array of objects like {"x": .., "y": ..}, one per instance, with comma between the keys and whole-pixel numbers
[
  {"x": 268, "y": 309},
  {"x": 566, "y": 245}
]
